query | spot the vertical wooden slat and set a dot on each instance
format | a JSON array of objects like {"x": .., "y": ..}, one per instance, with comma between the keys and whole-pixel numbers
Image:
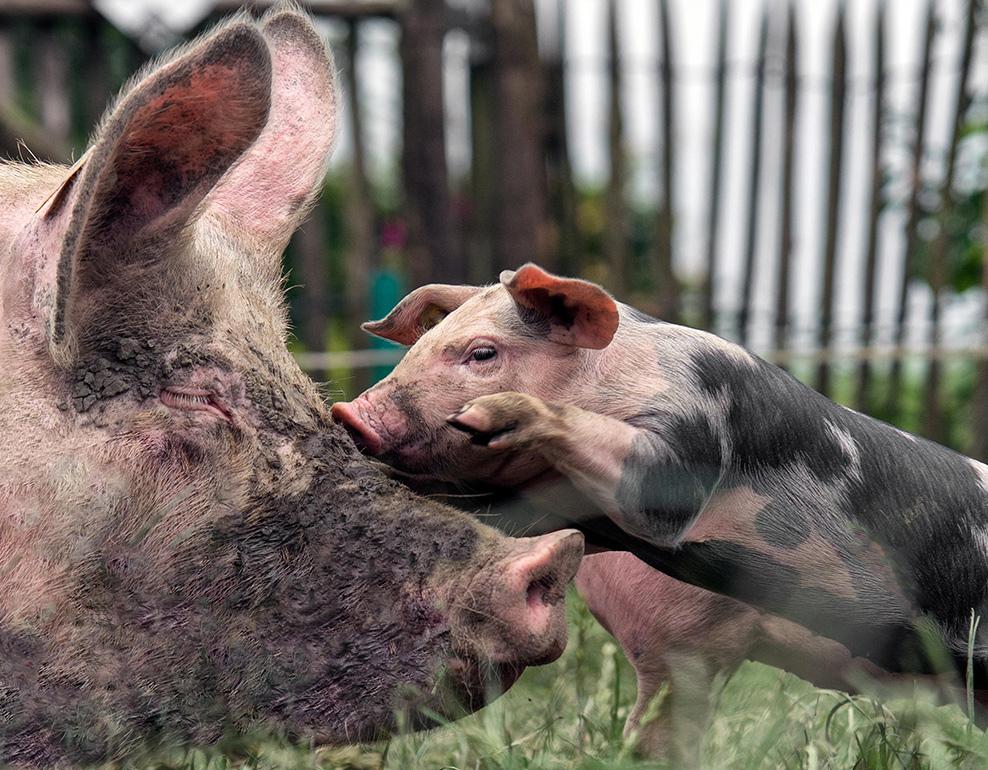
[
  {"x": 310, "y": 247},
  {"x": 428, "y": 204},
  {"x": 52, "y": 72},
  {"x": 787, "y": 208},
  {"x": 616, "y": 217},
  {"x": 667, "y": 286},
  {"x": 716, "y": 168},
  {"x": 754, "y": 182},
  {"x": 979, "y": 399},
  {"x": 360, "y": 216},
  {"x": 863, "y": 385},
  {"x": 97, "y": 88},
  {"x": 23, "y": 137},
  {"x": 562, "y": 192},
  {"x": 481, "y": 217},
  {"x": 519, "y": 206},
  {"x": 933, "y": 416},
  {"x": 838, "y": 92},
  {"x": 7, "y": 85},
  {"x": 913, "y": 214}
]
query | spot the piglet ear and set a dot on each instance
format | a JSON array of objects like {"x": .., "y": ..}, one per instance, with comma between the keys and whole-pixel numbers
[
  {"x": 420, "y": 311},
  {"x": 580, "y": 313},
  {"x": 156, "y": 157},
  {"x": 269, "y": 192}
]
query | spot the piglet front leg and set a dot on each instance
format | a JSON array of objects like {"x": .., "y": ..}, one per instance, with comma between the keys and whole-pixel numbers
[{"x": 602, "y": 456}]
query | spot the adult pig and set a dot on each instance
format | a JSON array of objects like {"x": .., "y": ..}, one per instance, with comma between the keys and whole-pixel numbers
[
  {"x": 189, "y": 548},
  {"x": 863, "y": 542}
]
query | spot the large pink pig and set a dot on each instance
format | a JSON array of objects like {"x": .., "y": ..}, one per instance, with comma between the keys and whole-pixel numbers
[
  {"x": 586, "y": 353},
  {"x": 190, "y": 548}
]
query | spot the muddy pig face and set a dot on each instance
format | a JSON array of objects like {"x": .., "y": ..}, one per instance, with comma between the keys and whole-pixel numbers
[
  {"x": 529, "y": 333},
  {"x": 188, "y": 545}
]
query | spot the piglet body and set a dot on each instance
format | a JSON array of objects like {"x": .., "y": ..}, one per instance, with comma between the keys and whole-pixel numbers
[{"x": 834, "y": 543}]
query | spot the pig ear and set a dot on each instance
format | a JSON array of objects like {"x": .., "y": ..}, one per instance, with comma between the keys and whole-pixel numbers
[
  {"x": 269, "y": 192},
  {"x": 420, "y": 311},
  {"x": 580, "y": 313},
  {"x": 156, "y": 157}
]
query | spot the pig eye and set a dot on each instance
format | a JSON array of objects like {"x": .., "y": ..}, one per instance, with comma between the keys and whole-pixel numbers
[
  {"x": 193, "y": 400},
  {"x": 483, "y": 354}
]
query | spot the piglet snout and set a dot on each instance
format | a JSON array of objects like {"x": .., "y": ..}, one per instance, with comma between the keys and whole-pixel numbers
[{"x": 361, "y": 431}]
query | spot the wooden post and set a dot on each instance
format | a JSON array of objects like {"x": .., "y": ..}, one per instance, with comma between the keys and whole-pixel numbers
[
  {"x": 481, "y": 222},
  {"x": 912, "y": 215},
  {"x": 837, "y": 98},
  {"x": 310, "y": 246},
  {"x": 562, "y": 191},
  {"x": 17, "y": 130},
  {"x": 716, "y": 169},
  {"x": 754, "y": 182},
  {"x": 668, "y": 289},
  {"x": 979, "y": 399},
  {"x": 360, "y": 261},
  {"x": 430, "y": 250},
  {"x": 934, "y": 426},
  {"x": 98, "y": 88},
  {"x": 519, "y": 172},
  {"x": 788, "y": 209},
  {"x": 7, "y": 82},
  {"x": 616, "y": 217},
  {"x": 52, "y": 73},
  {"x": 863, "y": 385}
]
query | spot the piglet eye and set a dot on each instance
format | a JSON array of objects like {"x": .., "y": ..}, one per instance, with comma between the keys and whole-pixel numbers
[{"x": 483, "y": 354}]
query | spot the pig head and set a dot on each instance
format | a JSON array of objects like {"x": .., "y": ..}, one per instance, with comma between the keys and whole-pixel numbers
[
  {"x": 495, "y": 340},
  {"x": 188, "y": 546}
]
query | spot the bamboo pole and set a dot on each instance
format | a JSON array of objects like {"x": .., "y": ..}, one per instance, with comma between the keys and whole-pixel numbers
[
  {"x": 787, "y": 215},
  {"x": 616, "y": 219},
  {"x": 934, "y": 426},
  {"x": 716, "y": 169},
  {"x": 863, "y": 385},
  {"x": 838, "y": 93},
  {"x": 754, "y": 182},
  {"x": 913, "y": 211}
]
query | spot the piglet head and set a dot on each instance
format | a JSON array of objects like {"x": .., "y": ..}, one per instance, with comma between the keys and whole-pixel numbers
[{"x": 533, "y": 332}]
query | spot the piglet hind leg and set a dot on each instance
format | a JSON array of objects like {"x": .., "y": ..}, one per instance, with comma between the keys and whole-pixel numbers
[{"x": 682, "y": 642}]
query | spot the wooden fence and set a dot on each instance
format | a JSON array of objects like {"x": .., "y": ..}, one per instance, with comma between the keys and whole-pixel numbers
[{"x": 60, "y": 62}]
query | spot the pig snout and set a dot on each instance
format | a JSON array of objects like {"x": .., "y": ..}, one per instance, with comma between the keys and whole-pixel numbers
[
  {"x": 524, "y": 608},
  {"x": 373, "y": 421},
  {"x": 352, "y": 415}
]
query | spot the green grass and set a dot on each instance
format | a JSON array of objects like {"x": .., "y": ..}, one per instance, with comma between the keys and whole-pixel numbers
[{"x": 571, "y": 715}]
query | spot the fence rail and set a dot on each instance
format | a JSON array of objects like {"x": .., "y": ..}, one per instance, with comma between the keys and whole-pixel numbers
[{"x": 519, "y": 200}]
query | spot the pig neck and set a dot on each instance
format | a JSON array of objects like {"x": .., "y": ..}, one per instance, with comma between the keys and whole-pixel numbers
[
  {"x": 866, "y": 523},
  {"x": 761, "y": 418}
]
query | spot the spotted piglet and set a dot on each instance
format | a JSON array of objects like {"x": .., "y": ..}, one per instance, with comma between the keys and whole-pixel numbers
[{"x": 828, "y": 543}]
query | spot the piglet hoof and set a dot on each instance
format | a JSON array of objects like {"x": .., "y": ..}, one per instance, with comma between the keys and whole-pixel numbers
[{"x": 502, "y": 420}]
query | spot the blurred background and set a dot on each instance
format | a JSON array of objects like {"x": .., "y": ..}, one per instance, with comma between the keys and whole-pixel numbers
[{"x": 806, "y": 177}]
